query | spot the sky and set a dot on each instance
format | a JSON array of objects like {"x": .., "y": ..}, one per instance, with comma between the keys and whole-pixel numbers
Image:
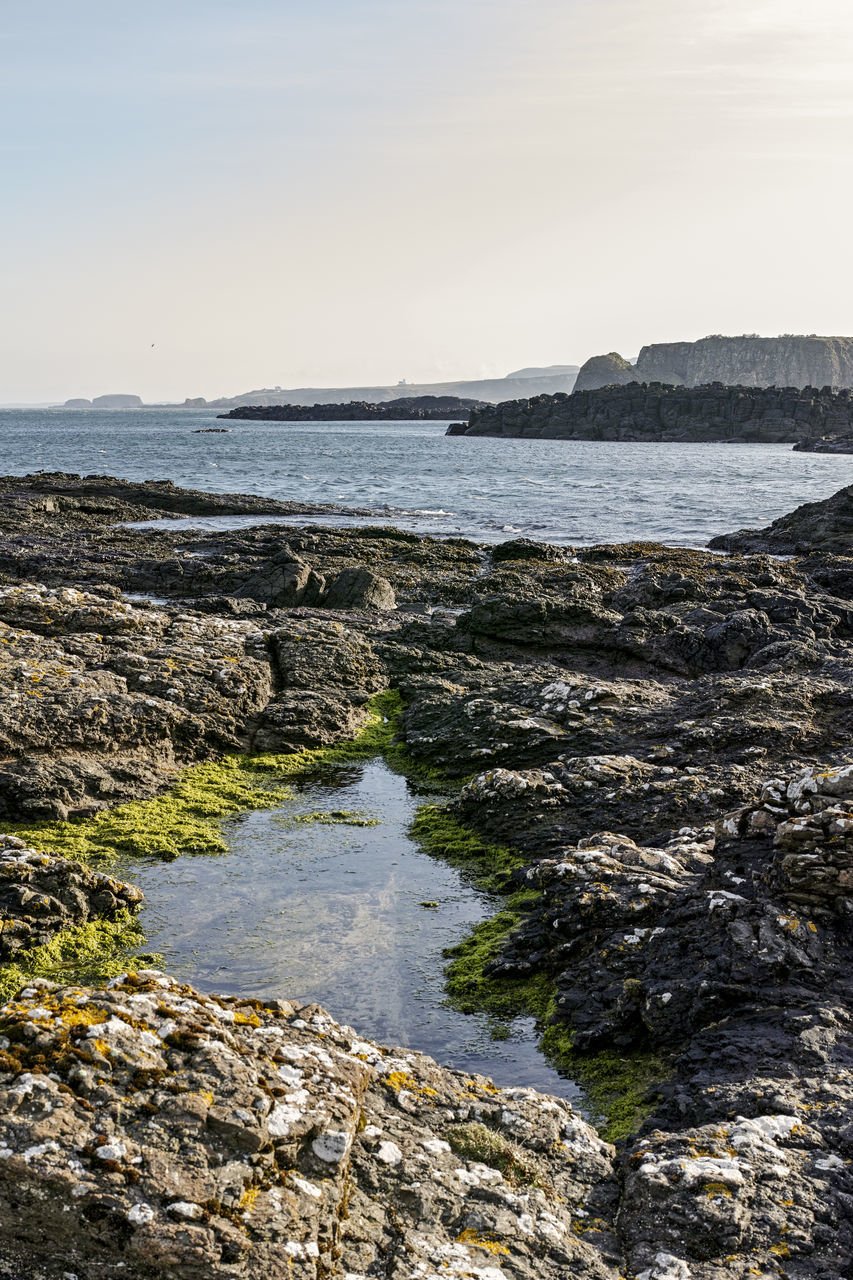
[{"x": 201, "y": 198}]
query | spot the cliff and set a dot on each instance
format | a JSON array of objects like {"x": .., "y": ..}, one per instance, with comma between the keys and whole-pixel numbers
[
  {"x": 791, "y": 360},
  {"x": 658, "y": 412}
]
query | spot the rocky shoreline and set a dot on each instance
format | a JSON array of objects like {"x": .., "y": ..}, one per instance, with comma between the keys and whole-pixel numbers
[
  {"x": 652, "y": 754},
  {"x": 659, "y": 412}
]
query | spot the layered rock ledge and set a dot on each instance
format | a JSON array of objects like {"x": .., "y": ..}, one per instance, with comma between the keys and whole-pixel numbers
[
  {"x": 655, "y": 411},
  {"x": 148, "y": 1130}
]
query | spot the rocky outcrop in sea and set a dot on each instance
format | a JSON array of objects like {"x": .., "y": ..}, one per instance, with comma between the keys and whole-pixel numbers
[
  {"x": 657, "y": 412},
  {"x": 403, "y": 409},
  {"x": 652, "y": 748},
  {"x": 825, "y": 528}
]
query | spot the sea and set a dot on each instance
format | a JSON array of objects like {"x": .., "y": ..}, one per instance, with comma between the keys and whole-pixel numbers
[{"x": 410, "y": 474}]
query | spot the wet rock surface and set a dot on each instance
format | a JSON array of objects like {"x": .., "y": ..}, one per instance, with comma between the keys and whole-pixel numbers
[{"x": 663, "y": 736}]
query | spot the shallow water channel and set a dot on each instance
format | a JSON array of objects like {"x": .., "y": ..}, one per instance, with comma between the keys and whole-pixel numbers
[{"x": 333, "y": 911}]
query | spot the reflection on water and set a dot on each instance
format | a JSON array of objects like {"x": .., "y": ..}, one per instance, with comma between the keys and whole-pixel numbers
[{"x": 333, "y": 912}]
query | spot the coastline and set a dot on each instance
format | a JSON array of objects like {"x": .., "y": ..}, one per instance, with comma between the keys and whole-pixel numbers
[{"x": 658, "y": 739}]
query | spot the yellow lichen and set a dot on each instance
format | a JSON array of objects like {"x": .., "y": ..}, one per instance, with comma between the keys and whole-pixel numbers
[
  {"x": 399, "y": 1080},
  {"x": 469, "y": 1236}
]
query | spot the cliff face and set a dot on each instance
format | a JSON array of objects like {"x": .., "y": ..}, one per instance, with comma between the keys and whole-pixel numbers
[
  {"x": 655, "y": 412},
  {"x": 788, "y": 361}
]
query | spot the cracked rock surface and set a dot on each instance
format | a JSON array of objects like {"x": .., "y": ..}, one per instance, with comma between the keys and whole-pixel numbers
[{"x": 196, "y": 1136}]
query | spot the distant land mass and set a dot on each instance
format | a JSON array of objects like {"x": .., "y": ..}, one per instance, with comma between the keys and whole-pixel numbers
[
  {"x": 105, "y": 402},
  {"x": 523, "y": 382},
  {"x": 661, "y": 412},
  {"x": 408, "y": 408},
  {"x": 791, "y": 360}
]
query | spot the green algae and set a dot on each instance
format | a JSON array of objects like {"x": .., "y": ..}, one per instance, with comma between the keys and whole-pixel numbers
[
  {"x": 623, "y": 1089},
  {"x": 443, "y": 836},
  {"x": 88, "y": 954},
  {"x": 335, "y": 818},
  {"x": 187, "y": 817},
  {"x": 620, "y": 1087}
]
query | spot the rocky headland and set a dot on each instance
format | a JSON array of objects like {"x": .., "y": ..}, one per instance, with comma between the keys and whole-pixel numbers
[
  {"x": 790, "y": 360},
  {"x": 659, "y": 412},
  {"x": 651, "y": 755},
  {"x": 403, "y": 409}
]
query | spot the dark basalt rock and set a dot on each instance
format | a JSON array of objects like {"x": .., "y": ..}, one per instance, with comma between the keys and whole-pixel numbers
[
  {"x": 825, "y": 526},
  {"x": 655, "y": 411},
  {"x": 404, "y": 409}
]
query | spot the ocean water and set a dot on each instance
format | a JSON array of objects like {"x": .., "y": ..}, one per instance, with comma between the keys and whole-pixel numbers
[{"x": 412, "y": 475}]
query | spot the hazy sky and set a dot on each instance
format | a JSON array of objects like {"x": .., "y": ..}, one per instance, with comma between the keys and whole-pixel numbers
[{"x": 315, "y": 192}]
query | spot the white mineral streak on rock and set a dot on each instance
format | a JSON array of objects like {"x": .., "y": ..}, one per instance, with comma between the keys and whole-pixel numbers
[
  {"x": 307, "y": 1188},
  {"x": 690, "y": 1171},
  {"x": 331, "y": 1146},
  {"x": 111, "y": 1151},
  {"x": 389, "y": 1153},
  {"x": 140, "y": 1214},
  {"x": 185, "y": 1209},
  {"x": 666, "y": 1267},
  {"x": 280, "y": 1120}
]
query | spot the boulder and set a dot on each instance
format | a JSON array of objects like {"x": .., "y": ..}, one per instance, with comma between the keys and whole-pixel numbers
[{"x": 359, "y": 588}]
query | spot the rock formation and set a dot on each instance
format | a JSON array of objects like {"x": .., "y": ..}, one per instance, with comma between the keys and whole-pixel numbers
[
  {"x": 605, "y": 371},
  {"x": 658, "y": 412},
  {"x": 407, "y": 408},
  {"x": 825, "y": 526},
  {"x": 790, "y": 360},
  {"x": 840, "y": 443},
  {"x": 117, "y": 402}
]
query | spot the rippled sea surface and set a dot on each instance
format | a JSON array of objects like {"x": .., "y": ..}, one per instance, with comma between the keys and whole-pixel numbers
[{"x": 412, "y": 475}]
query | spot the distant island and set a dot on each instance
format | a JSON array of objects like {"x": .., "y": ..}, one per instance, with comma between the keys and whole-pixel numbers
[
  {"x": 660, "y": 412},
  {"x": 408, "y": 408},
  {"x": 105, "y": 402}
]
